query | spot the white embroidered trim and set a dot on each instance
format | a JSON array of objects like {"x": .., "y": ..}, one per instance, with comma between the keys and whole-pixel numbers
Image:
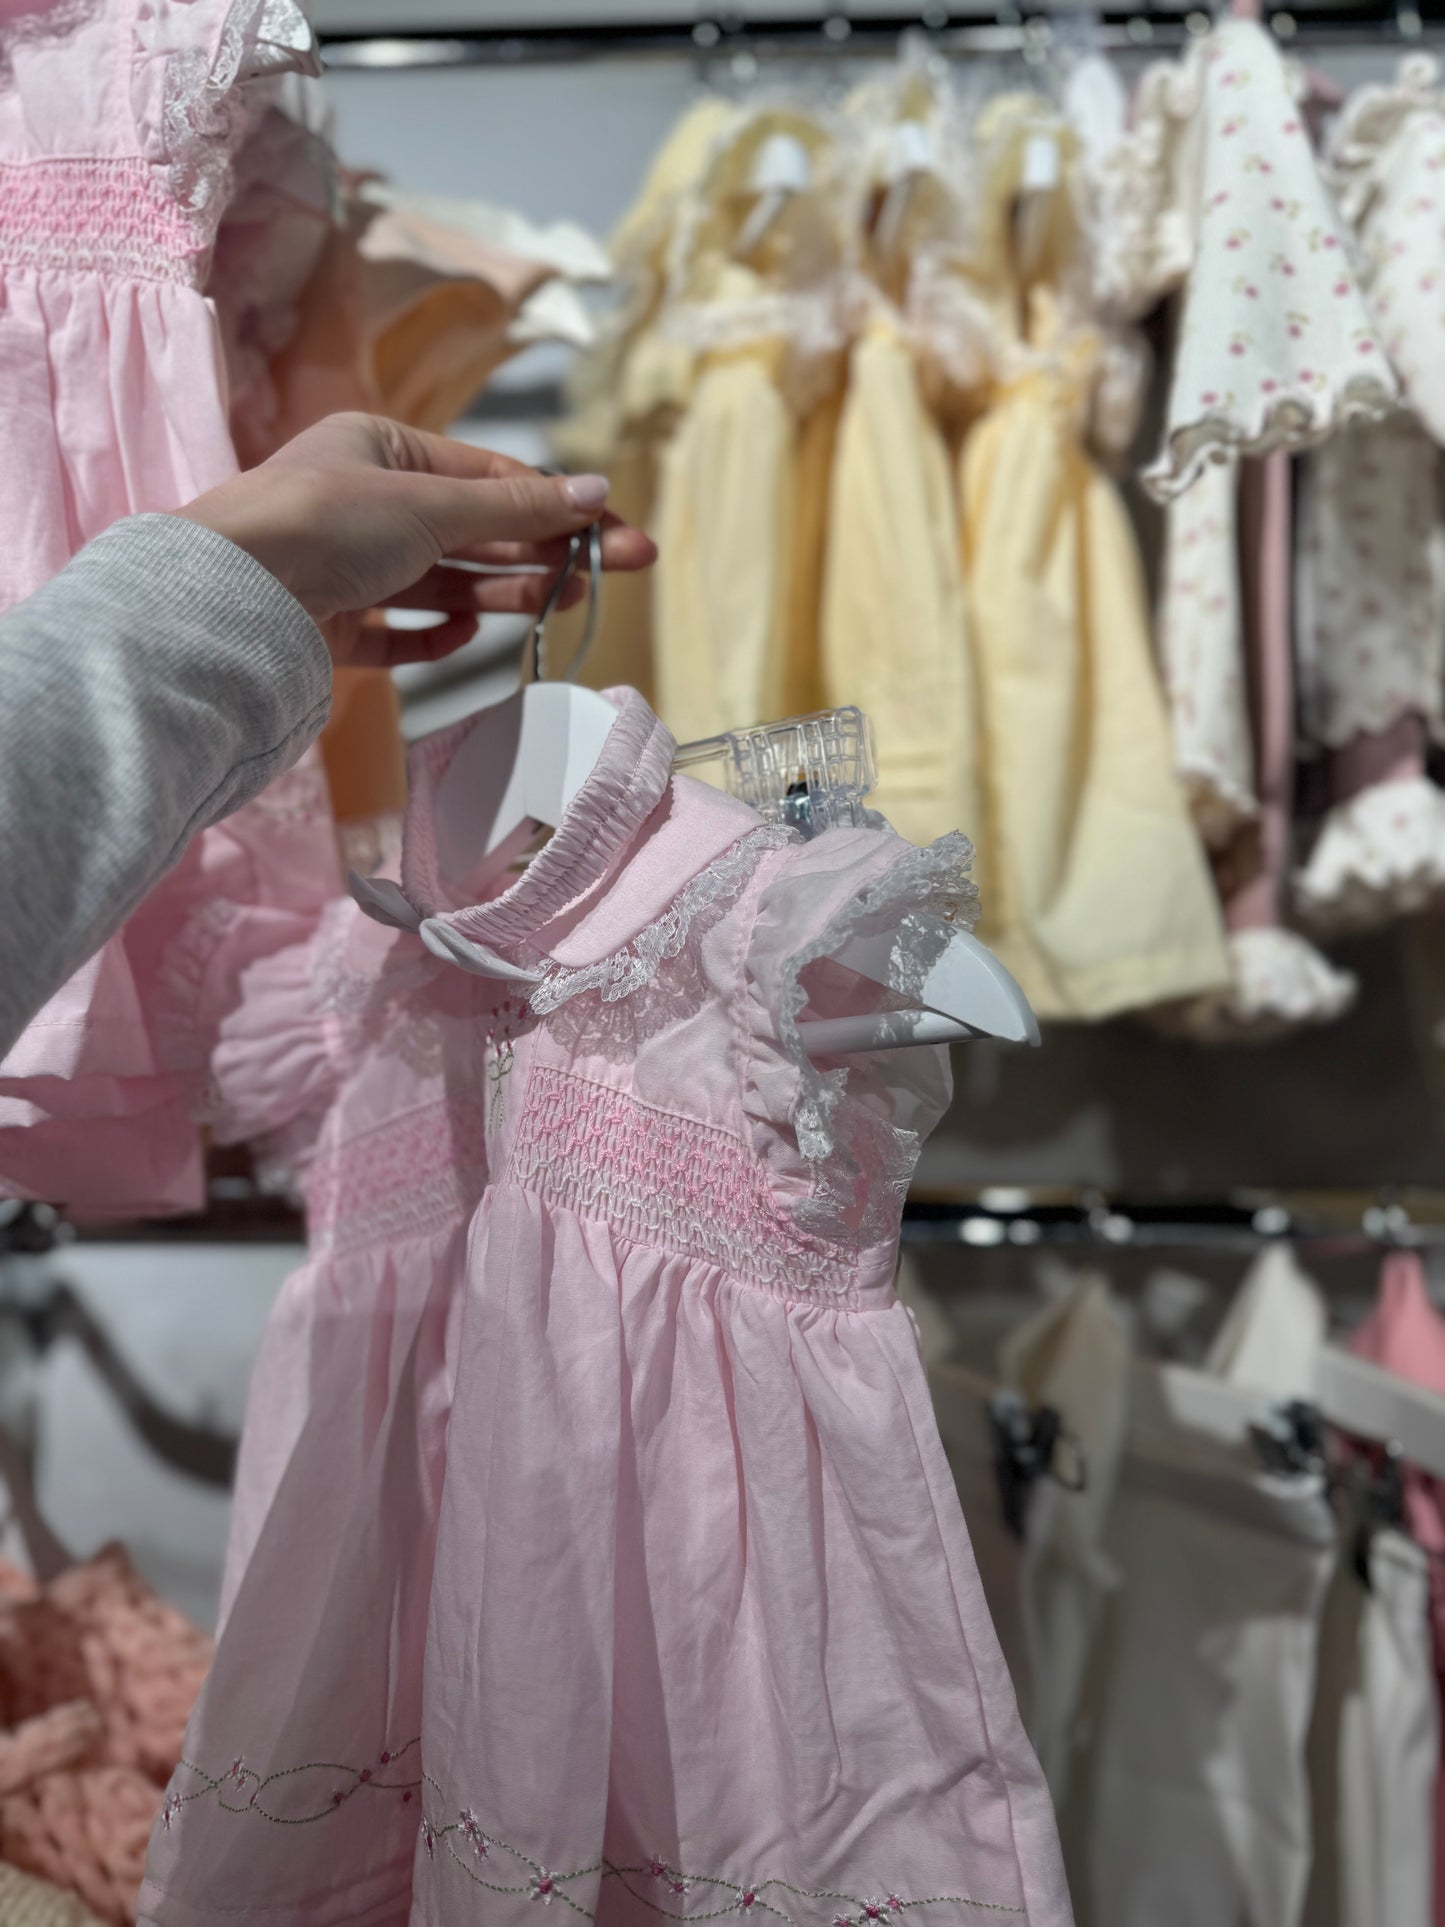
[
  {"x": 829, "y": 1140},
  {"x": 1379, "y": 856},
  {"x": 202, "y": 112},
  {"x": 1281, "y": 984},
  {"x": 638, "y": 962}
]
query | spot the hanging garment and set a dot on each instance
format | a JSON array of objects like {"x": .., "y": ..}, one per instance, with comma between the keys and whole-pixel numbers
[
  {"x": 1374, "y": 1747},
  {"x": 737, "y": 560},
  {"x": 1278, "y": 981},
  {"x": 1387, "y": 165},
  {"x": 633, "y": 1576},
  {"x": 1223, "y": 197},
  {"x": 1373, "y": 566},
  {"x": 1098, "y": 896},
  {"x": 1074, "y": 1359},
  {"x": 628, "y": 391},
  {"x": 1202, "y": 656},
  {"x": 892, "y": 633},
  {"x": 1192, "y": 1803},
  {"x": 118, "y": 129},
  {"x": 1406, "y": 1335}
]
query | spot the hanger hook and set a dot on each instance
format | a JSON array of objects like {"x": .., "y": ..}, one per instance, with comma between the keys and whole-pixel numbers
[{"x": 592, "y": 536}]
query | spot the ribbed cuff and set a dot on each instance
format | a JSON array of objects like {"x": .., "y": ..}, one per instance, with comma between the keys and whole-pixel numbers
[{"x": 254, "y": 630}]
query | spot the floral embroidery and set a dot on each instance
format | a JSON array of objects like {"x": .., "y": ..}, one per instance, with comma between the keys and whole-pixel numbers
[
  {"x": 255, "y": 1792},
  {"x": 656, "y": 1882}
]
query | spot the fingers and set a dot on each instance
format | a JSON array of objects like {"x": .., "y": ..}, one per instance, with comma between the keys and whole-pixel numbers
[
  {"x": 378, "y": 647},
  {"x": 623, "y": 548},
  {"x": 447, "y": 589},
  {"x": 465, "y": 516}
]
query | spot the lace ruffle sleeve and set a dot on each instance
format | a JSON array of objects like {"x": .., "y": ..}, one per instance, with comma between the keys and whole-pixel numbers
[{"x": 839, "y": 1138}]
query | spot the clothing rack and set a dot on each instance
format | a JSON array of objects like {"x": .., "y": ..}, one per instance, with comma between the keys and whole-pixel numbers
[
  {"x": 856, "y": 33},
  {"x": 1327, "y": 1228}
]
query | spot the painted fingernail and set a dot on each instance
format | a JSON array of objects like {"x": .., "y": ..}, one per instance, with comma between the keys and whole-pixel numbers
[{"x": 587, "y": 491}]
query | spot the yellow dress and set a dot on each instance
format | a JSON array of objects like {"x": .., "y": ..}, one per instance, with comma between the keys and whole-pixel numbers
[
  {"x": 738, "y": 520},
  {"x": 893, "y": 621},
  {"x": 1096, "y": 891},
  {"x": 627, "y": 393}
]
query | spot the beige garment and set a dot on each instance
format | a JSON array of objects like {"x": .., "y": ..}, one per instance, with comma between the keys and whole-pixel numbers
[
  {"x": 893, "y": 627},
  {"x": 1073, "y": 1357},
  {"x": 1374, "y": 1745},
  {"x": 27, "y": 1902},
  {"x": 1202, "y": 657},
  {"x": 1192, "y": 1803}
]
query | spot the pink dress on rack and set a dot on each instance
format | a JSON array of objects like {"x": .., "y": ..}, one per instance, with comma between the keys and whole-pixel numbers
[
  {"x": 594, "y": 1541},
  {"x": 118, "y": 122}
]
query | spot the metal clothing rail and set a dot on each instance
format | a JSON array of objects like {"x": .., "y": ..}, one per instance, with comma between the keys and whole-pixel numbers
[
  {"x": 1204, "y": 1225},
  {"x": 857, "y": 33}
]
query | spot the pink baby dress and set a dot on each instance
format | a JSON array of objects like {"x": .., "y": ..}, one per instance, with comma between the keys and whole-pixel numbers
[
  {"x": 118, "y": 123},
  {"x": 594, "y": 1543}
]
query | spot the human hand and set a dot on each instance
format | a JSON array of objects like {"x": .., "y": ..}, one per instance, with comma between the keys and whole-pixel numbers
[{"x": 358, "y": 513}]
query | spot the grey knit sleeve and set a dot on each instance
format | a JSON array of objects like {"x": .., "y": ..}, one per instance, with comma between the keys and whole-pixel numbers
[{"x": 156, "y": 684}]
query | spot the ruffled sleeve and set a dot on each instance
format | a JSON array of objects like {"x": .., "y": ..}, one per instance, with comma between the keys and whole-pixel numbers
[
  {"x": 196, "y": 74},
  {"x": 1276, "y": 345},
  {"x": 838, "y": 1139}
]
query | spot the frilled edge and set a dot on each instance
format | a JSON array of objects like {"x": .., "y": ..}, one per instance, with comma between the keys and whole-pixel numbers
[
  {"x": 1379, "y": 856},
  {"x": 1360, "y": 147},
  {"x": 202, "y": 115},
  {"x": 1281, "y": 983},
  {"x": 1220, "y": 807},
  {"x": 637, "y": 963},
  {"x": 880, "y": 1155},
  {"x": 1292, "y": 420}
]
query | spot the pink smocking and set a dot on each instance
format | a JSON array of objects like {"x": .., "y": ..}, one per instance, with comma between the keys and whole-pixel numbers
[
  {"x": 667, "y": 1181},
  {"x": 97, "y": 216}
]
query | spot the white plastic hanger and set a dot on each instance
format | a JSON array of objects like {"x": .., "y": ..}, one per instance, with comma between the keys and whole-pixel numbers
[
  {"x": 524, "y": 761},
  {"x": 526, "y": 757},
  {"x": 966, "y": 993},
  {"x": 781, "y": 169},
  {"x": 1367, "y": 1401}
]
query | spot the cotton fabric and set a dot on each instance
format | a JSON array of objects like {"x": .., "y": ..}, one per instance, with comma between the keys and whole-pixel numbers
[{"x": 592, "y": 1522}]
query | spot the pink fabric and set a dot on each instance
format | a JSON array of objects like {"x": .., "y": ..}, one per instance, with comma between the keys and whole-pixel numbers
[
  {"x": 117, "y": 126},
  {"x": 1406, "y": 1334},
  {"x": 97, "y": 1680},
  {"x": 1256, "y": 901},
  {"x": 593, "y": 1539}
]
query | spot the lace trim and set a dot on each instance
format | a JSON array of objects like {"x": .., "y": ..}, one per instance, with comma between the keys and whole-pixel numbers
[
  {"x": 203, "y": 110},
  {"x": 666, "y": 1181},
  {"x": 634, "y": 966},
  {"x": 96, "y": 217},
  {"x": 1361, "y": 146},
  {"x": 1379, "y": 856},
  {"x": 414, "y": 1174},
  {"x": 846, "y": 1147},
  {"x": 662, "y": 1888},
  {"x": 1280, "y": 984}
]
